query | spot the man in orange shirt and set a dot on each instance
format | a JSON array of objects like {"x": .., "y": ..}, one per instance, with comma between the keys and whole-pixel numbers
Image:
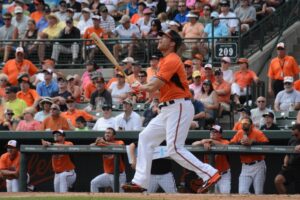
[
  {"x": 55, "y": 121},
  {"x": 253, "y": 166},
  {"x": 173, "y": 122},
  {"x": 208, "y": 73},
  {"x": 222, "y": 162},
  {"x": 14, "y": 67},
  {"x": 10, "y": 166},
  {"x": 38, "y": 13},
  {"x": 107, "y": 178},
  {"x": 151, "y": 71},
  {"x": 30, "y": 96},
  {"x": 281, "y": 66},
  {"x": 62, "y": 165}
]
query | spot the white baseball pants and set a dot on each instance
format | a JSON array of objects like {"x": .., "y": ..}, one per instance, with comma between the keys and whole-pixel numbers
[
  {"x": 165, "y": 181},
  {"x": 12, "y": 185},
  {"x": 106, "y": 180},
  {"x": 63, "y": 181},
  {"x": 223, "y": 186},
  {"x": 171, "y": 124},
  {"x": 255, "y": 174}
]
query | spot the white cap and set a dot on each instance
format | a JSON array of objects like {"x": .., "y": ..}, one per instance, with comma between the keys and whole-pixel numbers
[
  {"x": 280, "y": 45},
  {"x": 20, "y": 49},
  {"x": 173, "y": 23},
  {"x": 97, "y": 17},
  {"x": 128, "y": 60},
  {"x": 86, "y": 10},
  {"x": 192, "y": 15},
  {"x": 18, "y": 9},
  {"x": 208, "y": 66},
  {"x": 226, "y": 59},
  {"x": 289, "y": 79},
  {"x": 86, "y": 2},
  {"x": 217, "y": 128},
  {"x": 12, "y": 143}
]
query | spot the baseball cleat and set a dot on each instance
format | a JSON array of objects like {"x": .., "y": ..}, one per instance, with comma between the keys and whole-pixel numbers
[
  {"x": 132, "y": 187},
  {"x": 209, "y": 183}
]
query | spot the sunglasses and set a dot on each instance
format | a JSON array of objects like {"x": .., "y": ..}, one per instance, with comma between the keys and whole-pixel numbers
[
  {"x": 287, "y": 83},
  {"x": 53, "y": 109},
  {"x": 7, "y": 19},
  {"x": 10, "y": 113},
  {"x": 141, "y": 76},
  {"x": 105, "y": 109},
  {"x": 260, "y": 101}
]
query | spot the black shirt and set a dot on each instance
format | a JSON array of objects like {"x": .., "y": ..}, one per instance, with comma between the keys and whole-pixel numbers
[
  {"x": 148, "y": 115},
  {"x": 294, "y": 159},
  {"x": 65, "y": 95},
  {"x": 273, "y": 127},
  {"x": 76, "y": 6},
  {"x": 98, "y": 97},
  {"x": 73, "y": 34}
]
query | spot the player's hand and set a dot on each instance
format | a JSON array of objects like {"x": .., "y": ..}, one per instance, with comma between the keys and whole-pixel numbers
[
  {"x": 46, "y": 143},
  {"x": 207, "y": 146},
  {"x": 100, "y": 140}
]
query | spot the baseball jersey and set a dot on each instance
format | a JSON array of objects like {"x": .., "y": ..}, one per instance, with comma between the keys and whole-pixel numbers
[
  {"x": 171, "y": 71},
  {"x": 6, "y": 163},
  {"x": 62, "y": 162},
  {"x": 254, "y": 134}
]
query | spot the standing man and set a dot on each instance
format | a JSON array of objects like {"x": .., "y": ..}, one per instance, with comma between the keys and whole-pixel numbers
[
  {"x": 107, "y": 178},
  {"x": 173, "y": 122},
  {"x": 281, "y": 66},
  {"x": 253, "y": 166},
  {"x": 62, "y": 165}
]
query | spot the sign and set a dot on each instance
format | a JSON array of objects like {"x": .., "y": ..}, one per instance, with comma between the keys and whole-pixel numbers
[{"x": 226, "y": 49}]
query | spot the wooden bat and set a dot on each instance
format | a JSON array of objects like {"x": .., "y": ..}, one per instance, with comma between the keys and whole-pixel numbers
[{"x": 107, "y": 53}]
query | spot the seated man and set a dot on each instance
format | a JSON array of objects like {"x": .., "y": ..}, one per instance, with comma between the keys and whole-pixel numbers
[
  {"x": 247, "y": 14},
  {"x": 269, "y": 122}
]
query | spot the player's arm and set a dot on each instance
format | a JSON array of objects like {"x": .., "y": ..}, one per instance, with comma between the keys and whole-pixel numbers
[
  {"x": 9, "y": 174},
  {"x": 154, "y": 85}
]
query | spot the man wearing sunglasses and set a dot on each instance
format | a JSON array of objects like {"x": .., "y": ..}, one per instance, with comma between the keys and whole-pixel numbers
[{"x": 55, "y": 121}]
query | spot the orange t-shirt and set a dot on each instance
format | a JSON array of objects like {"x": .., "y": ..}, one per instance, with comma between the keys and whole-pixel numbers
[
  {"x": 36, "y": 16},
  {"x": 12, "y": 69},
  {"x": 6, "y": 163},
  {"x": 244, "y": 78},
  {"x": 2, "y": 92},
  {"x": 62, "y": 162},
  {"x": 29, "y": 97},
  {"x": 172, "y": 66},
  {"x": 237, "y": 126},
  {"x": 88, "y": 32},
  {"x": 52, "y": 124},
  {"x": 223, "y": 86},
  {"x": 297, "y": 85},
  {"x": 221, "y": 161},
  {"x": 89, "y": 89},
  {"x": 77, "y": 113},
  {"x": 113, "y": 79},
  {"x": 135, "y": 18},
  {"x": 212, "y": 78},
  {"x": 279, "y": 68},
  {"x": 108, "y": 161},
  {"x": 256, "y": 135}
]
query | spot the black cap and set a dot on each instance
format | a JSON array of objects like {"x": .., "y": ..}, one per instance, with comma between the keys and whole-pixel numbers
[
  {"x": 142, "y": 3},
  {"x": 106, "y": 106},
  {"x": 156, "y": 57},
  {"x": 207, "y": 81},
  {"x": 60, "y": 132},
  {"x": 62, "y": 2},
  {"x": 173, "y": 35},
  {"x": 224, "y": 2},
  {"x": 218, "y": 72},
  {"x": 269, "y": 114},
  {"x": 103, "y": 9},
  {"x": 11, "y": 89},
  {"x": 245, "y": 109},
  {"x": 47, "y": 8}
]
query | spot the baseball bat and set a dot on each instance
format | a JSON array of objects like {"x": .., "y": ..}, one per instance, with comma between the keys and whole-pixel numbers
[{"x": 107, "y": 53}]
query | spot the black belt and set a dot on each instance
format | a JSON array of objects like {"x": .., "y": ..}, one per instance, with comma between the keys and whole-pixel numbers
[
  {"x": 167, "y": 103},
  {"x": 225, "y": 172},
  {"x": 254, "y": 162}
]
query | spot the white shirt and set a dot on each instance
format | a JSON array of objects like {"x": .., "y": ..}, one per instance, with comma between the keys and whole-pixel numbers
[
  {"x": 144, "y": 28},
  {"x": 228, "y": 75},
  {"x": 127, "y": 33},
  {"x": 285, "y": 100},
  {"x": 257, "y": 118},
  {"x": 21, "y": 25},
  {"x": 134, "y": 123},
  {"x": 231, "y": 23},
  {"x": 83, "y": 25},
  {"x": 102, "y": 124},
  {"x": 115, "y": 92},
  {"x": 40, "y": 116},
  {"x": 108, "y": 24}
]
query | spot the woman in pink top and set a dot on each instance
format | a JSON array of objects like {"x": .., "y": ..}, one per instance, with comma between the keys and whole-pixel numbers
[
  {"x": 28, "y": 124},
  {"x": 85, "y": 78}
]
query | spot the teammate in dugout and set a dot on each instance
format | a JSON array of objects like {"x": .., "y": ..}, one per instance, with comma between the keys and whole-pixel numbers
[
  {"x": 253, "y": 166},
  {"x": 172, "y": 123},
  {"x": 107, "y": 178},
  {"x": 222, "y": 163},
  {"x": 62, "y": 165}
]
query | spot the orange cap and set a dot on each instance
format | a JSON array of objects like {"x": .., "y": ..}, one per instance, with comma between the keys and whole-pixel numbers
[
  {"x": 199, "y": 56},
  {"x": 243, "y": 60},
  {"x": 188, "y": 62}
]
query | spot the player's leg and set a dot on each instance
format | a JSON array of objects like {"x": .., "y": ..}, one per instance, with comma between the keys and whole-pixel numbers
[
  {"x": 153, "y": 184},
  {"x": 122, "y": 180},
  {"x": 103, "y": 180},
  {"x": 224, "y": 185},
  {"x": 167, "y": 182},
  {"x": 56, "y": 182},
  {"x": 180, "y": 116},
  {"x": 15, "y": 185},
  {"x": 66, "y": 180},
  {"x": 245, "y": 179},
  {"x": 71, "y": 178},
  {"x": 8, "y": 185},
  {"x": 260, "y": 177}
]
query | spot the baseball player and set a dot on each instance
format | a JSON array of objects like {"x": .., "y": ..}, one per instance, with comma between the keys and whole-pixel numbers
[
  {"x": 161, "y": 172},
  {"x": 222, "y": 164},
  {"x": 10, "y": 165},
  {"x": 253, "y": 166},
  {"x": 173, "y": 122},
  {"x": 62, "y": 165},
  {"x": 107, "y": 178}
]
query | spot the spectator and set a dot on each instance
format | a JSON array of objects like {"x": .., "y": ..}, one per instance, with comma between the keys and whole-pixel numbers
[
  {"x": 47, "y": 65},
  {"x": 134, "y": 77},
  {"x": 256, "y": 113},
  {"x": 175, "y": 26},
  {"x": 198, "y": 62},
  {"x": 62, "y": 94},
  {"x": 14, "y": 67},
  {"x": 269, "y": 122},
  {"x": 289, "y": 98},
  {"x": 55, "y": 121},
  {"x": 223, "y": 92},
  {"x": 91, "y": 67},
  {"x": 112, "y": 5},
  {"x": 208, "y": 73},
  {"x": 107, "y": 178},
  {"x": 81, "y": 124},
  {"x": 10, "y": 166},
  {"x": 13, "y": 103},
  {"x": 30, "y": 96},
  {"x": 95, "y": 5},
  {"x": 107, "y": 120},
  {"x": 140, "y": 96},
  {"x": 45, "y": 106},
  {"x": 3, "y": 84},
  {"x": 139, "y": 14},
  {"x": 8, "y": 122},
  {"x": 206, "y": 17},
  {"x": 75, "y": 5},
  {"x": 144, "y": 23},
  {"x": 227, "y": 73},
  {"x": 89, "y": 46},
  {"x": 197, "y": 84},
  {"x": 128, "y": 120},
  {"x": 220, "y": 29},
  {"x": 127, "y": 33},
  {"x": 200, "y": 115},
  {"x": 261, "y": 9},
  {"x": 86, "y": 20},
  {"x": 188, "y": 66},
  {"x": 182, "y": 12},
  {"x": 61, "y": 14},
  {"x": 247, "y": 14},
  {"x": 150, "y": 112},
  {"x": 221, "y": 161},
  {"x": 132, "y": 8},
  {"x": 244, "y": 112},
  {"x": 232, "y": 24},
  {"x": 172, "y": 9},
  {"x": 43, "y": 23},
  {"x": 72, "y": 113},
  {"x": 119, "y": 90},
  {"x": 73, "y": 89},
  {"x": 69, "y": 32},
  {"x": 281, "y": 66},
  {"x": 209, "y": 98},
  {"x": 62, "y": 165},
  {"x": 20, "y": 22},
  {"x": 128, "y": 61},
  {"x": 6, "y": 33},
  {"x": 30, "y": 34},
  {"x": 152, "y": 69},
  {"x": 289, "y": 173},
  {"x": 71, "y": 14},
  {"x": 18, "y": 3},
  {"x": 29, "y": 123},
  {"x": 242, "y": 80},
  {"x": 91, "y": 87},
  {"x": 39, "y": 6},
  {"x": 107, "y": 22},
  {"x": 253, "y": 166},
  {"x": 154, "y": 30},
  {"x": 274, "y": 3},
  {"x": 49, "y": 86}
]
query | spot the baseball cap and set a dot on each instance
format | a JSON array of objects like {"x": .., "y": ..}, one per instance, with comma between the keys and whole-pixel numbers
[
  {"x": 209, "y": 66},
  {"x": 12, "y": 143},
  {"x": 207, "y": 81},
  {"x": 69, "y": 19},
  {"x": 60, "y": 132},
  {"x": 61, "y": 78},
  {"x": 97, "y": 17},
  {"x": 147, "y": 11},
  {"x": 224, "y": 2},
  {"x": 173, "y": 35},
  {"x": 47, "y": 9},
  {"x": 23, "y": 77},
  {"x": 214, "y": 15},
  {"x": 20, "y": 50},
  {"x": 288, "y": 79},
  {"x": 217, "y": 128},
  {"x": 218, "y": 72},
  {"x": 87, "y": 10},
  {"x": 45, "y": 100},
  {"x": 280, "y": 45},
  {"x": 103, "y": 9},
  {"x": 124, "y": 19},
  {"x": 154, "y": 57},
  {"x": 96, "y": 74},
  {"x": 85, "y": 2},
  {"x": 226, "y": 59},
  {"x": 128, "y": 60},
  {"x": 192, "y": 15},
  {"x": 196, "y": 73},
  {"x": 9, "y": 111},
  {"x": 243, "y": 60},
  {"x": 70, "y": 99},
  {"x": 18, "y": 9},
  {"x": 48, "y": 71},
  {"x": 268, "y": 114},
  {"x": 104, "y": 106},
  {"x": 173, "y": 23},
  {"x": 11, "y": 89},
  {"x": 188, "y": 62},
  {"x": 62, "y": 2},
  {"x": 7, "y": 16},
  {"x": 71, "y": 10},
  {"x": 128, "y": 101},
  {"x": 69, "y": 77}
]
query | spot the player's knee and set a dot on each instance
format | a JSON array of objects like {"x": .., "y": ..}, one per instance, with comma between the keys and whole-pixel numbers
[{"x": 279, "y": 179}]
